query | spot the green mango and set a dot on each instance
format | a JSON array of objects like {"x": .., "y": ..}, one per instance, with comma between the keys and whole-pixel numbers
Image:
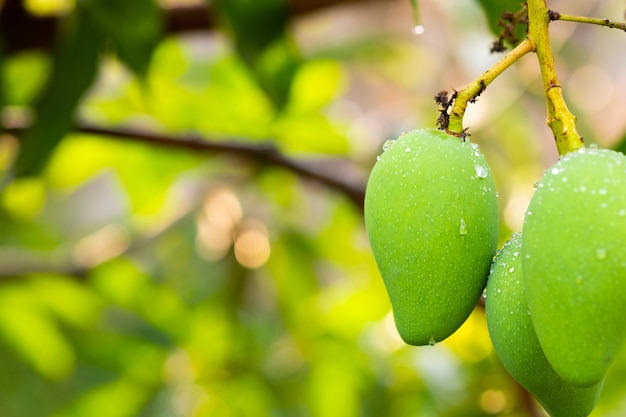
[
  {"x": 574, "y": 264},
  {"x": 514, "y": 339},
  {"x": 431, "y": 215}
]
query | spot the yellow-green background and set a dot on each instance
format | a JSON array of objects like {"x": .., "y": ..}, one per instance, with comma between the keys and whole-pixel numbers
[{"x": 138, "y": 280}]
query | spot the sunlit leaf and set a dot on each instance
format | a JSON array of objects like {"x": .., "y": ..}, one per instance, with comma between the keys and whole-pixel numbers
[
  {"x": 315, "y": 85},
  {"x": 24, "y": 198},
  {"x": 68, "y": 300},
  {"x": 33, "y": 334}
]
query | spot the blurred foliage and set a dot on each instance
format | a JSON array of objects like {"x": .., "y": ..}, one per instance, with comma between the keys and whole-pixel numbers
[{"x": 139, "y": 280}]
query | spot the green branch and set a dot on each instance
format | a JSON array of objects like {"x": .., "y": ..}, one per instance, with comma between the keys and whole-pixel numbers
[
  {"x": 471, "y": 91},
  {"x": 583, "y": 19},
  {"x": 560, "y": 119}
]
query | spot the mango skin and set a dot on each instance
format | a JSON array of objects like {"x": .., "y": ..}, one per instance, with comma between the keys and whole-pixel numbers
[
  {"x": 574, "y": 265},
  {"x": 514, "y": 339},
  {"x": 431, "y": 215}
]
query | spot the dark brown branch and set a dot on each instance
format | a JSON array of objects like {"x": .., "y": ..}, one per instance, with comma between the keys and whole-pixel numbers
[
  {"x": 20, "y": 30},
  {"x": 333, "y": 173}
]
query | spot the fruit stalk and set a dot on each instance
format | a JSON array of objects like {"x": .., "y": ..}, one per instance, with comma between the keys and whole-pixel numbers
[
  {"x": 476, "y": 87},
  {"x": 560, "y": 119}
]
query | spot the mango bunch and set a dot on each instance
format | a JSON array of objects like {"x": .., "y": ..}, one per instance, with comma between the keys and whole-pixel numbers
[{"x": 555, "y": 293}]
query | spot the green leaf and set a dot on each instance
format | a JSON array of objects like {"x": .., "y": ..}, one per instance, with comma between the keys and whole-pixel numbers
[
  {"x": 133, "y": 27},
  {"x": 493, "y": 10},
  {"x": 74, "y": 69},
  {"x": 259, "y": 29}
]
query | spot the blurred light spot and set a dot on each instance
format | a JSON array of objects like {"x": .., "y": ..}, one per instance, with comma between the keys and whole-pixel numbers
[
  {"x": 515, "y": 210},
  {"x": 283, "y": 358},
  {"x": 16, "y": 116},
  {"x": 192, "y": 400},
  {"x": 393, "y": 340},
  {"x": 443, "y": 374},
  {"x": 220, "y": 215},
  {"x": 418, "y": 30},
  {"x": 590, "y": 88},
  {"x": 471, "y": 342},
  {"x": 383, "y": 336},
  {"x": 178, "y": 368},
  {"x": 252, "y": 245},
  {"x": 49, "y": 7},
  {"x": 493, "y": 401},
  {"x": 104, "y": 244}
]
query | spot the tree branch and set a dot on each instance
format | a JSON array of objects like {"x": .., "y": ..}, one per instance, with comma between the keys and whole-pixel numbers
[
  {"x": 584, "y": 19},
  {"x": 336, "y": 174}
]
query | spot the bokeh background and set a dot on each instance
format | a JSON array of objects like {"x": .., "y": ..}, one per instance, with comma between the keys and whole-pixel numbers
[{"x": 181, "y": 229}]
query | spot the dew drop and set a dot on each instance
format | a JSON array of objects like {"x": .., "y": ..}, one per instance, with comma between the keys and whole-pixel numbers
[
  {"x": 407, "y": 149},
  {"x": 555, "y": 171},
  {"x": 462, "y": 227},
  {"x": 379, "y": 158},
  {"x": 583, "y": 188},
  {"x": 516, "y": 254},
  {"x": 600, "y": 254},
  {"x": 481, "y": 171},
  {"x": 388, "y": 144},
  {"x": 622, "y": 212},
  {"x": 602, "y": 191},
  {"x": 499, "y": 291},
  {"x": 511, "y": 269},
  {"x": 431, "y": 341}
]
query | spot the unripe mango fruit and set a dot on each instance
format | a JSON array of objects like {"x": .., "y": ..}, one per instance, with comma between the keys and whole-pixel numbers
[
  {"x": 514, "y": 340},
  {"x": 574, "y": 264},
  {"x": 431, "y": 215}
]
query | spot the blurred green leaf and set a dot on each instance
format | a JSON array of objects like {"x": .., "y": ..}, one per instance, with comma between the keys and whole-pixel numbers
[
  {"x": 259, "y": 29},
  {"x": 68, "y": 300},
  {"x": 23, "y": 76},
  {"x": 134, "y": 27},
  {"x": 120, "y": 398},
  {"x": 74, "y": 69},
  {"x": 493, "y": 10},
  {"x": 26, "y": 326}
]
